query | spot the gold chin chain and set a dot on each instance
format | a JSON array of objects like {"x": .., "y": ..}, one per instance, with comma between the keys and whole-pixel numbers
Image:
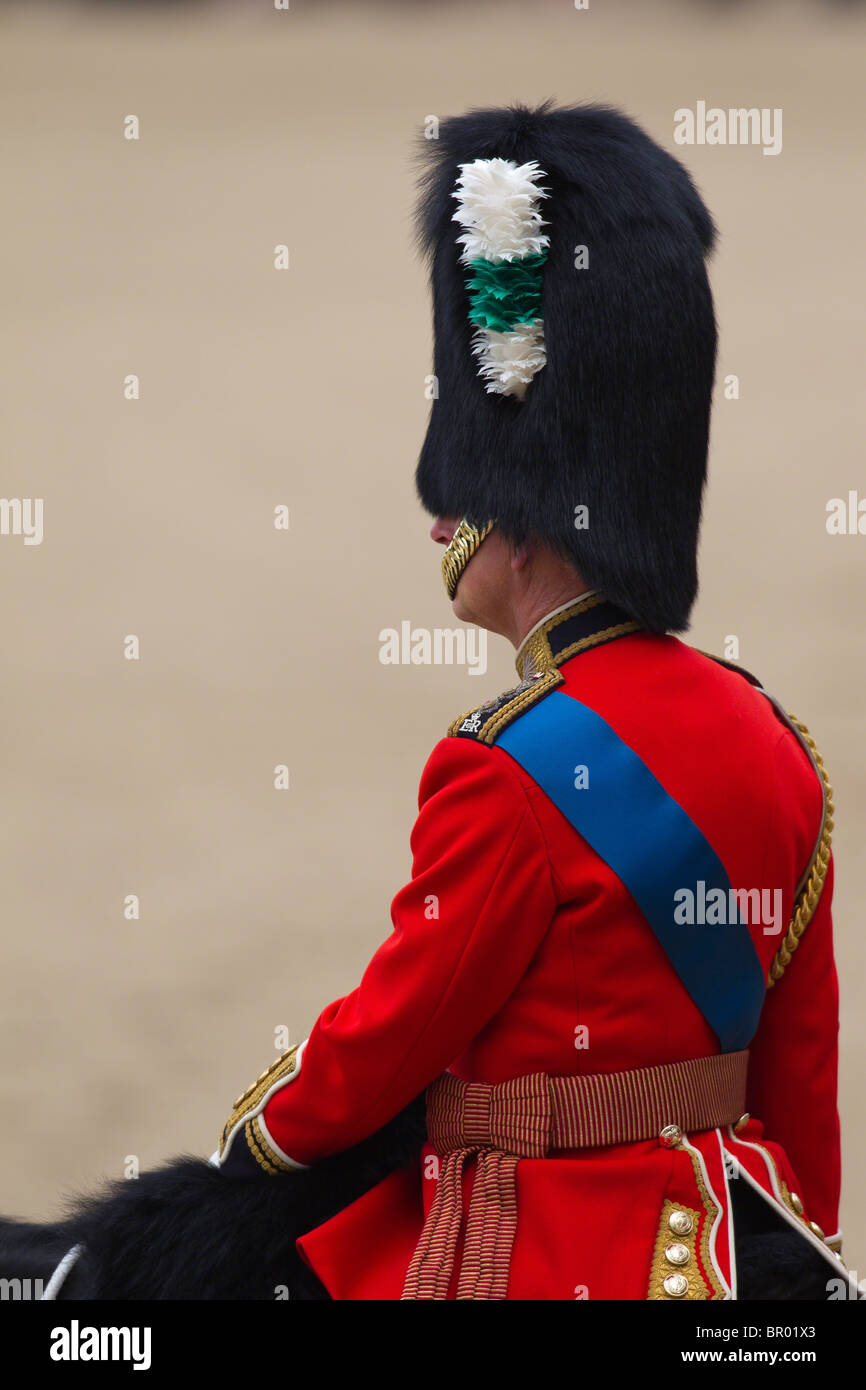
[{"x": 462, "y": 547}]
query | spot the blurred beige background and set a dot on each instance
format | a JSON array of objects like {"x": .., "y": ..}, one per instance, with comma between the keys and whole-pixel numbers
[{"x": 306, "y": 388}]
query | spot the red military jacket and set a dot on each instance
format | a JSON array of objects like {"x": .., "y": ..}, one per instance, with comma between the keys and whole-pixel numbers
[{"x": 516, "y": 949}]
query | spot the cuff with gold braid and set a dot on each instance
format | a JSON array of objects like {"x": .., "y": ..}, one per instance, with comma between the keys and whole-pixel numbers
[{"x": 246, "y": 1145}]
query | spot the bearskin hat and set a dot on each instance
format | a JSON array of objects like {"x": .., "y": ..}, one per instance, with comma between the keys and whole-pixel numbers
[{"x": 575, "y": 345}]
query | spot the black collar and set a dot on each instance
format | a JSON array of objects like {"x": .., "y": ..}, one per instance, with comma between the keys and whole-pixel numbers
[{"x": 587, "y": 622}]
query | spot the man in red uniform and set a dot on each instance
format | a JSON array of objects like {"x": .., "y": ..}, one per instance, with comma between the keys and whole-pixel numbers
[{"x": 616, "y": 941}]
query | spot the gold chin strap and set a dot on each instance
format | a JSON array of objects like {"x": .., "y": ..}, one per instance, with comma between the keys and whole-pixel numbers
[{"x": 462, "y": 547}]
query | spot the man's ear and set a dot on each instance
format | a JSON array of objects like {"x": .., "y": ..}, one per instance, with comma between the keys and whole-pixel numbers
[{"x": 519, "y": 557}]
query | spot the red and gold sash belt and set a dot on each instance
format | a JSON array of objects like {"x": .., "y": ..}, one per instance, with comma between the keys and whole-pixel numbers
[{"x": 530, "y": 1117}]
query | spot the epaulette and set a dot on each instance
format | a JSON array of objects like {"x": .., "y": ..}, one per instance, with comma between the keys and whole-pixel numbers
[
  {"x": 732, "y": 666},
  {"x": 485, "y": 722},
  {"x": 808, "y": 891}
]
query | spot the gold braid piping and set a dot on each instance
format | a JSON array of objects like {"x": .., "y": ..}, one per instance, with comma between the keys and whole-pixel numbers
[
  {"x": 283, "y": 1066},
  {"x": 809, "y": 895},
  {"x": 710, "y": 1208},
  {"x": 597, "y": 638},
  {"x": 251, "y": 1133}
]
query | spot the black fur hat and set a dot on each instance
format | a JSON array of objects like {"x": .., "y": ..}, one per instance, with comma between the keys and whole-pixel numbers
[{"x": 616, "y": 419}]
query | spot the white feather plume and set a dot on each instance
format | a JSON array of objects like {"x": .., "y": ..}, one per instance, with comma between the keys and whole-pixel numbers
[
  {"x": 498, "y": 205},
  {"x": 509, "y": 361}
]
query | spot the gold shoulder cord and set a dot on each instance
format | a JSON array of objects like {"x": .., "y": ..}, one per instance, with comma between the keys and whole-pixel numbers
[{"x": 808, "y": 894}]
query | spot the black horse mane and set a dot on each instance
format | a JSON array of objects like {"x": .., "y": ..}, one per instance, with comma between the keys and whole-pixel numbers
[{"x": 188, "y": 1230}]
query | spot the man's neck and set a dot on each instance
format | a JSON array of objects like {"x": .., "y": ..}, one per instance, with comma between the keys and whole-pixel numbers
[{"x": 545, "y": 607}]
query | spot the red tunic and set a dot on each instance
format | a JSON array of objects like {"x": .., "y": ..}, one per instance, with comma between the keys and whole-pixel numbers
[{"x": 516, "y": 949}]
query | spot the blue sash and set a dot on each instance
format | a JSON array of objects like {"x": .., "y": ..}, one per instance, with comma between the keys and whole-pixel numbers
[{"x": 653, "y": 847}]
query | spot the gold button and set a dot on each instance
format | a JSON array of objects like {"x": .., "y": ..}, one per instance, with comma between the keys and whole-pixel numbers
[
  {"x": 742, "y": 1122},
  {"x": 677, "y": 1254},
  {"x": 680, "y": 1223},
  {"x": 670, "y": 1136},
  {"x": 677, "y": 1285},
  {"x": 796, "y": 1204},
  {"x": 814, "y": 1227}
]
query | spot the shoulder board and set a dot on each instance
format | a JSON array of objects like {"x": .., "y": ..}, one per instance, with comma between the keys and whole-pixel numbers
[
  {"x": 485, "y": 723},
  {"x": 800, "y": 732},
  {"x": 732, "y": 666}
]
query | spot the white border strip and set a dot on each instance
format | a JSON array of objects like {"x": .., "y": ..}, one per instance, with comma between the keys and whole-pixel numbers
[
  {"x": 719, "y": 1210},
  {"x": 732, "y": 1250},
  {"x": 834, "y": 1260}
]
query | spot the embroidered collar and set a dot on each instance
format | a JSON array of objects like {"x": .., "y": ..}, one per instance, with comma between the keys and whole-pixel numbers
[{"x": 584, "y": 622}]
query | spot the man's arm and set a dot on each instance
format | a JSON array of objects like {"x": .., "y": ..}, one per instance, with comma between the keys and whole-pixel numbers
[{"x": 466, "y": 926}]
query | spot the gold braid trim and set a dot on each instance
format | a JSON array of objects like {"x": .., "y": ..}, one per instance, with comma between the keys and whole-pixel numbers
[
  {"x": 808, "y": 896},
  {"x": 252, "y": 1135},
  {"x": 516, "y": 706},
  {"x": 282, "y": 1067},
  {"x": 662, "y": 1268},
  {"x": 536, "y": 651},
  {"x": 262, "y": 1151},
  {"x": 606, "y": 635},
  {"x": 703, "y": 1277},
  {"x": 710, "y": 1208},
  {"x": 511, "y": 707}
]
